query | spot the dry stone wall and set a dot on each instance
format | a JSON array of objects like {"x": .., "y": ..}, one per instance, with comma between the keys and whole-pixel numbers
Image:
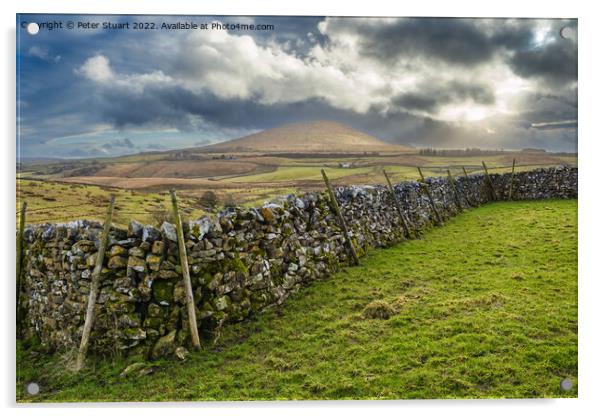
[{"x": 240, "y": 263}]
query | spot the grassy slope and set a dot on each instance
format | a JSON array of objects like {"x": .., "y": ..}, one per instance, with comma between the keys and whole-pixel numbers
[
  {"x": 267, "y": 178},
  {"x": 432, "y": 166},
  {"x": 59, "y": 202},
  {"x": 486, "y": 307}
]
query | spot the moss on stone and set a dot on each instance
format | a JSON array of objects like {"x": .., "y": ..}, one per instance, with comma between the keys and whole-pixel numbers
[
  {"x": 164, "y": 346},
  {"x": 206, "y": 310},
  {"x": 275, "y": 270},
  {"x": 163, "y": 291},
  {"x": 235, "y": 264},
  {"x": 258, "y": 251}
]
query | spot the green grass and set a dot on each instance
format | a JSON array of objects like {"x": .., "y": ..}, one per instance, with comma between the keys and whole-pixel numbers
[
  {"x": 312, "y": 173},
  {"x": 435, "y": 166},
  {"x": 485, "y": 306},
  {"x": 299, "y": 173},
  {"x": 50, "y": 201}
]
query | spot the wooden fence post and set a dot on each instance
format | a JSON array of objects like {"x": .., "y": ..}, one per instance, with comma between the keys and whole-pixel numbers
[
  {"x": 337, "y": 211},
  {"x": 194, "y": 331},
  {"x": 466, "y": 195},
  {"x": 406, "y": 229},
  {"x": 488, "y": 178},
  {"x": 511, "y": 180},
  {"x": 89, "y": 322},
  {"x": 455, "y": 191},
  {"x": 20, "y": 260},
  {"x": 425, "y": 188}
]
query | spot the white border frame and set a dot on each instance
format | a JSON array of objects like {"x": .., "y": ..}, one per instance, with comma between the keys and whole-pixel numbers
[{"x": 590, "y": 233}]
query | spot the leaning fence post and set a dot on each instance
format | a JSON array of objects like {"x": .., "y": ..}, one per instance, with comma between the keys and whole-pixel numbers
[
  {"x": 406, "y": 230},
  {"x": 511, "y": 180},
  {"x": 20, "y": 259},
  {"x": 467, "y": 180},
  {"x": 488, "y": 178},
  {"x": 425, "y": 188},
  {"x": 453, "y": 186},
  {"x": 335, "y": 207},
  {"x": 194, "y": 331},
  {"x": 89, "y": 322}
]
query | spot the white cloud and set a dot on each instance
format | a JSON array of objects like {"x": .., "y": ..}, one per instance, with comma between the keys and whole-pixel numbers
[
  {"x": 96, "y": 69},
  {"x": 232, "y": 66}
]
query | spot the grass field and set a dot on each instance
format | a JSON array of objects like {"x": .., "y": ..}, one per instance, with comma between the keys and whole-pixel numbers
[
  {"x": 141, "y": 182},
  {"x": 368, "y": 174},
  {"x": 50, "y": 201},
  {"x": 307, "y": 173},
  {"x": 485, "y": 306}
]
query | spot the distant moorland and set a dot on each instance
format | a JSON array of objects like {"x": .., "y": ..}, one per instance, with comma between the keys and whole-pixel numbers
[{"x": 244, "y": 171}]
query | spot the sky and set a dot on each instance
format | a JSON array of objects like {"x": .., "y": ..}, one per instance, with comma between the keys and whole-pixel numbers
[{"x": 425, "y": 82}]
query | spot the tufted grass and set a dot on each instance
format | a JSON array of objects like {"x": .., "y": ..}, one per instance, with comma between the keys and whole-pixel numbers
[
  {"x": 484, "y": 307},
  {"x": 50, "y": 201}
]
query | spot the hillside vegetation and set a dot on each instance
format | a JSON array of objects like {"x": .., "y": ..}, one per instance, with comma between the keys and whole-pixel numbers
[
  {"x": 53, "y": 194},
  {"x": 308, "y": 137},
  {"x": 62, "y": 202},
  {"x": 485, "y": 306}
]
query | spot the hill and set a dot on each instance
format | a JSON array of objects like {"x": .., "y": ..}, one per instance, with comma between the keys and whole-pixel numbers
[{"x": 308, "y": 137}]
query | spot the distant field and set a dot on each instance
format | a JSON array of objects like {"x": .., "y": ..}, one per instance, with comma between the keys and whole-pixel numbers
[
  {"x": 483, "y": 307},
  {"x": 299, "y": 173},
  {"x": 69, "y": 190},
  {"x": 181, "y": 169},
  {"x": 60, "y": 202}
]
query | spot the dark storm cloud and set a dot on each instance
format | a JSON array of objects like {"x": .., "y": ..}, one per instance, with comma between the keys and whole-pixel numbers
[
  {"x": 177, "y": 107},
  {"x": 547, "y": 109},
  {"x": 554, "y": 63},
  {"x": 546, "y": 116},
  {"x": 570, "y": 99},
  {"x": 454, "y": 40},
  {"x": 431, "y": 97},
  {"x": 512, "y": 35},
  {"x": 173, "y": 107},
  {"x": 416, "y": 101},
  {"x": 463, "y": 42},
  {"x": 480, "y": 94},
  {"x": 468, "y": 42}
]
